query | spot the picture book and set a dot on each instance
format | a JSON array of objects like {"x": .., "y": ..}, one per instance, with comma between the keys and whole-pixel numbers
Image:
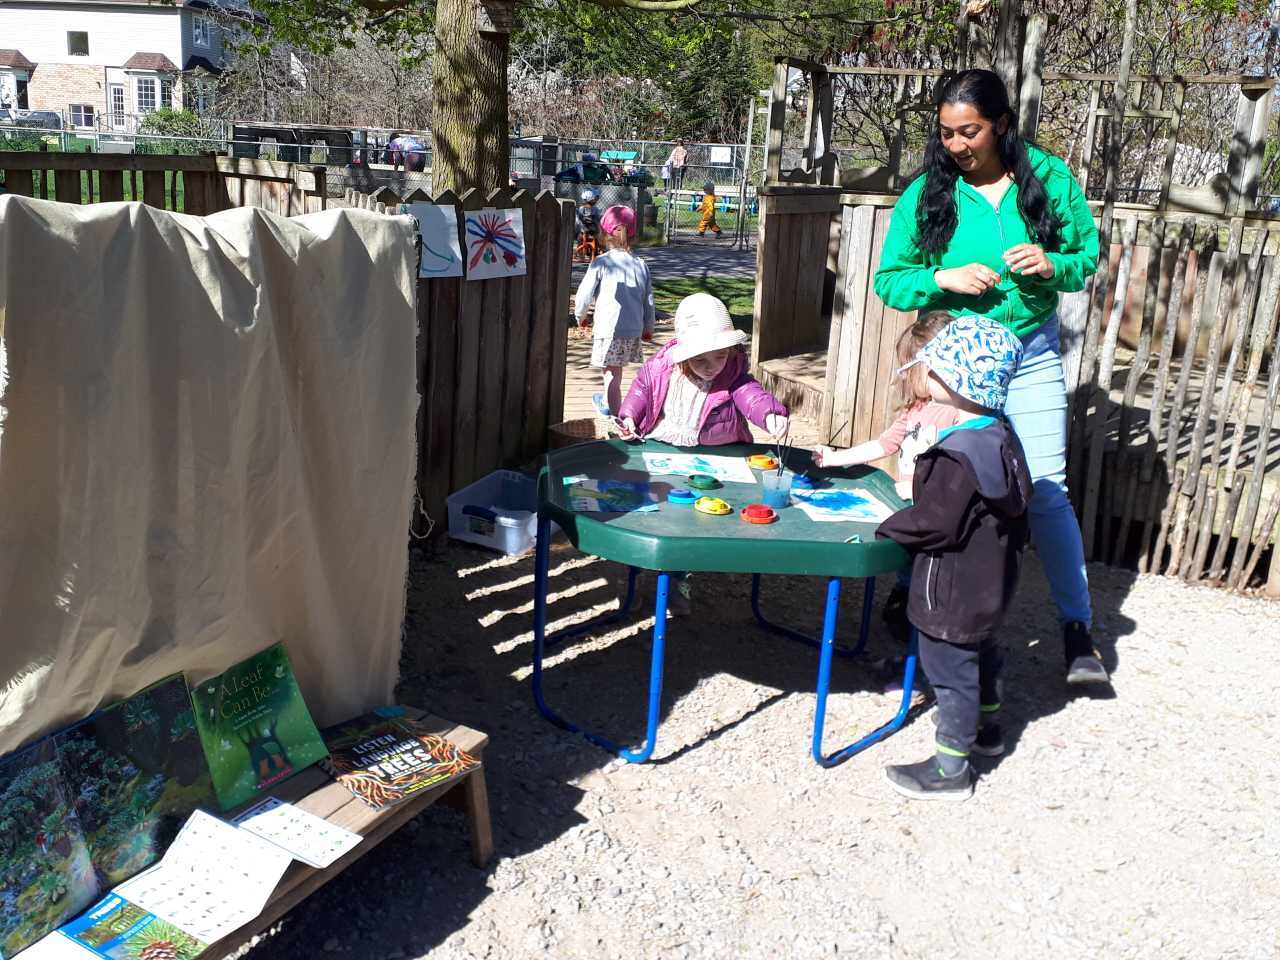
[
  {"x": 255, "y": 727},
  {"x": 386, "y": 759},
  {"x": 91, "y": 805},
  {"x": 116, "y": 929}
]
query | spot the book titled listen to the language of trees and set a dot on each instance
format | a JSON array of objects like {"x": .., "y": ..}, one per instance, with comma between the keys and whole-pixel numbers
[
  {"x": 255, "y": 726},
  {"x": 384, "y": 759}
]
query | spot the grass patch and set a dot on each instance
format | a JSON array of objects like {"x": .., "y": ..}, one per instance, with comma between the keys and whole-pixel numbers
[{"x": 738, "y": 294}]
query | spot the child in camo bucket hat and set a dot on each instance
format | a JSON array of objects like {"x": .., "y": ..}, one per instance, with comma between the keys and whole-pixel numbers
[{"x": 974, "y": 356}]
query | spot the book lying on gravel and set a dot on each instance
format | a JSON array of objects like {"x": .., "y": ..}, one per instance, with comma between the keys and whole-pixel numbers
[{"x": 386, "y": 759}]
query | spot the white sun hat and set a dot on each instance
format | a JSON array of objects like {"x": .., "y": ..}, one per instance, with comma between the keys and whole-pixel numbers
[{"x": 702, "y": 326}]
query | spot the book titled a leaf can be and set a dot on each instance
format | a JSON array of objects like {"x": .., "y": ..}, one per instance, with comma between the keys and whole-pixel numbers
[
  {"x": 255, "y": 727},
  {"x": 384, "y": 760}
]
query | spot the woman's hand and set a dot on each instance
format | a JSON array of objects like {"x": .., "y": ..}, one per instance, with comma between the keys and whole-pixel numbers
[
  {"x": 824, "y": 456},
  {"x": 776, "y": 425},
  {"x": 1028, "y": 260},
  {"x": 647, "y": 336},
  {"x": 974, "y": 279}
]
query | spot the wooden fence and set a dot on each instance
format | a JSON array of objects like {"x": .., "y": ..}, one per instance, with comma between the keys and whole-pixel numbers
[
  {"x": 492, "y": 354},
  {"x": 197, "y": 185},
  {"x": 1173, "y": 372}
]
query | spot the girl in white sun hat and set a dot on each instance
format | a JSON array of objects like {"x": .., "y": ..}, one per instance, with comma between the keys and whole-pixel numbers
[{"x": 696, "y": 389}]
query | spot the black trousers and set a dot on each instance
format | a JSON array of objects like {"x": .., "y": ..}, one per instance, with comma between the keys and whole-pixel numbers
[{"x": 966, "y": 680}]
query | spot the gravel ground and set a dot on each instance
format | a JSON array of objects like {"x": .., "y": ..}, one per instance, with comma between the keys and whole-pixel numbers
[{"x": 1136, "y": 825}]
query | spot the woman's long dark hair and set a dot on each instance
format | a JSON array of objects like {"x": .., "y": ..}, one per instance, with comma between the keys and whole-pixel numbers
[{"x": 936, "y": 214}]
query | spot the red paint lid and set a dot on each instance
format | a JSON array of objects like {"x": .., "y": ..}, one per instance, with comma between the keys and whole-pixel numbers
[{"x": 758, "y": 513}]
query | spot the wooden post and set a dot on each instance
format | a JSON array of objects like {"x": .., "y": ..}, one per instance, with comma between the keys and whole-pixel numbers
[
  {"x": 1102, "y": 388},
  {"x": 1171, "y": 145},
  {"x": 1031, "y": 89},
  {"x": 844, "y": 351},
  {"x": 1255, "y": 146},
  {"x": 1008, "y": 43},
  {"x": 777, "y": 121}
]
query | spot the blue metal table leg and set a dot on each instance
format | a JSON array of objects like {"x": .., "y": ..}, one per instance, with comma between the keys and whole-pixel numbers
[
  {"x": 868, "y": 600},
  {"x": 824, "y": 680},
  {"x": 560, "y": 636},
  {"x": 541, "y": 564}
]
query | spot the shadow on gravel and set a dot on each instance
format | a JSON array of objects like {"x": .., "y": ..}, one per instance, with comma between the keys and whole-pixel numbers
[{"x": 467, "y": 648}]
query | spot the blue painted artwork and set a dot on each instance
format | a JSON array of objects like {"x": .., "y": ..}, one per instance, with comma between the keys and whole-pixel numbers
[
  {"x": 857, "y": 506},
  {"x": 611, "y": 496}
]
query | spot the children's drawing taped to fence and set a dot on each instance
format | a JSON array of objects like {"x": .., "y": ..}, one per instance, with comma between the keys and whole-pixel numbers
[
  {"x": 440, "y": 255},
  {"x": 209, "y": 442},
  {"x": 495, "y": 244}
]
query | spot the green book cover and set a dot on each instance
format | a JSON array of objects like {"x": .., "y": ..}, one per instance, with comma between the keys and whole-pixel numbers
[{"x": 255, "y": 727}]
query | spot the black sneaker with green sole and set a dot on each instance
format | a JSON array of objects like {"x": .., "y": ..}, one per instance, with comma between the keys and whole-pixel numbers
[{"x": 926, "y": 781}]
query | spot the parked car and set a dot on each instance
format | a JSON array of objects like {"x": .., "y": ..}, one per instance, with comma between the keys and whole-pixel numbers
[{"x": 35, "y": 119}]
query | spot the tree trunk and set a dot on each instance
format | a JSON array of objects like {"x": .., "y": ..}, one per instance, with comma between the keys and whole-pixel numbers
[{"x": 469, "y": 101}]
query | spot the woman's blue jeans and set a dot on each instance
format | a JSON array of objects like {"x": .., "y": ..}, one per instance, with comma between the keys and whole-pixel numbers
[{"x": 1037, "y": 409}]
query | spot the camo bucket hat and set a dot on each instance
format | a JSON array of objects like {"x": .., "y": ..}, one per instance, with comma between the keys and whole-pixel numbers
[{"x": 974, "y": 356}]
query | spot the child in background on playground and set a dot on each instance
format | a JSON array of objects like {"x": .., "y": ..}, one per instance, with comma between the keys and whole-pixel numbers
[
  {"x": 618, "y": 282},
  {"x": 920, "y": 419},
  {"x": 965, "y": 531},
  {"x": 588, "y": 215},
  {"x": 697, "y": 390},
  {"x": 707, "y": 210}
]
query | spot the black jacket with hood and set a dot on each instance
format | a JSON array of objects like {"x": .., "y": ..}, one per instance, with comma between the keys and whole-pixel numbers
[{"x": 966, "y": 530}]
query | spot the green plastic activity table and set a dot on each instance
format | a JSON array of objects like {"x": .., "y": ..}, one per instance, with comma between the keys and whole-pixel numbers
[{"x": 676, "y": 539}]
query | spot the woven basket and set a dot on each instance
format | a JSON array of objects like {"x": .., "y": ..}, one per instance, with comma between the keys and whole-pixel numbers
[{"x": 578, "y": 431}]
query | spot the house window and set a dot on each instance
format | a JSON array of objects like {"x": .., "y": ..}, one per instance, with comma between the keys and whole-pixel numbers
[
  {"x": 200, "y": 30},
  {"x": 146, "y": 94},
  {"x": 166, "y": 92},
  {"x": 81, "y": 114},
  {"x": 117, "y": 105},
  {"x": 77, "y": 43},
  {"x": 22, "y": 93},
  {"x": 203, "y": 97}
]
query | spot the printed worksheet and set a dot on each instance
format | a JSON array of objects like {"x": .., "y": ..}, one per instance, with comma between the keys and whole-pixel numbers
[
  {"x": 309, "y": 838},
  {"x": 214, "y": 878},
  {"x": 724, "y": 469}
]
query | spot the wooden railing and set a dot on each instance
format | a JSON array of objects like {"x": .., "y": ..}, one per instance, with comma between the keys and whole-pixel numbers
[{"x": 197, "y": 185}]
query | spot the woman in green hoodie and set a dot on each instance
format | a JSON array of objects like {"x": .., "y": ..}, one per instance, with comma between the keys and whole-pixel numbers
[{"x": 997, "y": 227}]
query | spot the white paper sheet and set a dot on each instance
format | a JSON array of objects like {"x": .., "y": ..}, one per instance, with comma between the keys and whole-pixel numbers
[
  {"x": 724, "y": 469},
  {"x": 438, "y": 224},
  {"x": 214, "y": 878},
  {"x": 57, "y": 946},
  {"x": 856, "y": 506},
  {"x": 495, "y": 244},
  {"x": 309, "y": 838}
]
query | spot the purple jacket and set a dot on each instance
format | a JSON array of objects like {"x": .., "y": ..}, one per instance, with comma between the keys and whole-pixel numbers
[{"x": 735, "y": 398}]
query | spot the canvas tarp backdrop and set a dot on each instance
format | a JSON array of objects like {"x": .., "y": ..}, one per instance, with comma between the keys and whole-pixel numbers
[{"x": 208, "y": 446}]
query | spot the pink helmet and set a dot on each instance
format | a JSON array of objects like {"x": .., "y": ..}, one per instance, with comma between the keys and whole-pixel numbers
[{"x": 619, "y": 216}]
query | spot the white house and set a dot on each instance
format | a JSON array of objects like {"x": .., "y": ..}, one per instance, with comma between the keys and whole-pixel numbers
[{"x": 104, "y": 64}]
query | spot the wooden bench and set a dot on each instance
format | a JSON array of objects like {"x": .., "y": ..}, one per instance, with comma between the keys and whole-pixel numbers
[{"x": 314, "y": 791}]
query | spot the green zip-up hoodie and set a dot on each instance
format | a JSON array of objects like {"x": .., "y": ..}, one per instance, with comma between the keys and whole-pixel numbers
[{"x": 904, "y": 280}]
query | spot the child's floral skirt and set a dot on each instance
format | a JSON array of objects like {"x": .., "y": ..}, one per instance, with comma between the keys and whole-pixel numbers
[{"x": 615, "y": 351}]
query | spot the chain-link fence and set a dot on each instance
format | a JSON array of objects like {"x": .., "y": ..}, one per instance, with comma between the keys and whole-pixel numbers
[{"x": 668, "y": 202}]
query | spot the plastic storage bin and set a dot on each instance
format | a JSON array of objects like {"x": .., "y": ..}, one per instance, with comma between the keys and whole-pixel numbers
[{"x": 499, "y": 512}]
